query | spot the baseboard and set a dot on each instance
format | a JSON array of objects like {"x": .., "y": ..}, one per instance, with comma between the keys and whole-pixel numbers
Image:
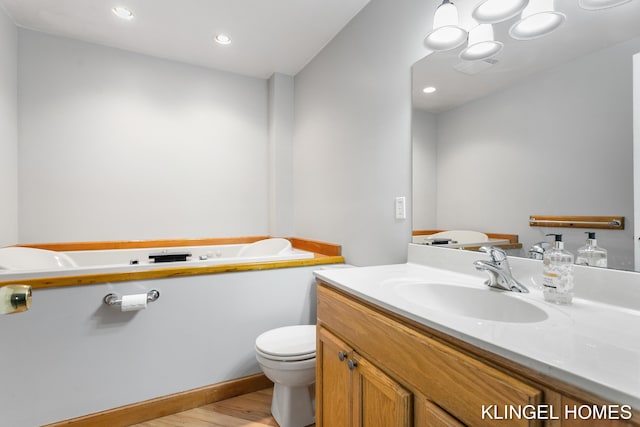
[{"x": 167, "y": 405}]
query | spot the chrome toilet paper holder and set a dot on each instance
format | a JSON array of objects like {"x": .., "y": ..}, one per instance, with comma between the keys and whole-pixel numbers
[{"x": 116, "y": 300}]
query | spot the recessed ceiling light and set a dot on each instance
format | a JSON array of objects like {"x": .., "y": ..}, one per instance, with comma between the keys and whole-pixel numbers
[
  {"x": 222, "y": 39},
  {"x": 429, "y": 89},
  {"x": 122, "y": 12}
]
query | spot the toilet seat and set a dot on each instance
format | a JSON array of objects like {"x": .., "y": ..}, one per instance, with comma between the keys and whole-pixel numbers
[{"x": 289, "y": 344}]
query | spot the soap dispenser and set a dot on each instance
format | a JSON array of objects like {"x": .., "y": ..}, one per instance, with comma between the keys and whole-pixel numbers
[
  {"x": 557, "y": 273},
  {"x": 591, "y": 254}
]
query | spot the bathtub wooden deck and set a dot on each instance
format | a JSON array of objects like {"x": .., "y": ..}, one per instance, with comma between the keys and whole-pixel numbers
[{"x": 324, "y": 253}]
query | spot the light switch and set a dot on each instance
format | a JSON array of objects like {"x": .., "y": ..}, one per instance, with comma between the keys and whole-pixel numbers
[{"x": 401, "y": 208}]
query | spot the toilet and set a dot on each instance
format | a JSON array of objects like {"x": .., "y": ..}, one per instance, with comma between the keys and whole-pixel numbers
[{"x": 287, "y": 357}]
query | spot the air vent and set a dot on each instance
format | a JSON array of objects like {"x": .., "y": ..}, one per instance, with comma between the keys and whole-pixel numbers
[{"x": 475, "y": 67}]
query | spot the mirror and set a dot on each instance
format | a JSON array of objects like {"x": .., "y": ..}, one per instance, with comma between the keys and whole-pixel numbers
[{"x": 543, "y": 128}]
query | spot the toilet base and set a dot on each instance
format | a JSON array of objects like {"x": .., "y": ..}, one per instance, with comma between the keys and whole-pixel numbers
[{"x": 294, "y": 406}]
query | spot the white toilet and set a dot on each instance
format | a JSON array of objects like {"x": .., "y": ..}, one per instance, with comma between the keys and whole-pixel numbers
[{"x": 287, "y": 357}]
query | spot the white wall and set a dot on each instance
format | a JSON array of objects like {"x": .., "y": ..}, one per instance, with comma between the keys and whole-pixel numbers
[
  {"x": 558, "y": 144},
  {"x": 636, "y": 157},
  {"x": 8, "y": 130},
  {"x": 281, "y": 125},
  {"x": 352, "y": 142},
  {"x": 116, "y": 145},
  {"x": 71, "y": 355},
  {"x": 424, "y": 156}
]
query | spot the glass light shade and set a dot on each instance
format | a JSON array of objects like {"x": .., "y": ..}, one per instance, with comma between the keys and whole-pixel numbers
[
  {"x": 600, "y": 4},
  {"x": 538, "y": 19},
  {"x": 494, "y": 11},
  {"x": 481, "y": 44},
  {"x": 446, "y": 34},
  {"x": 122, "y": 12}
]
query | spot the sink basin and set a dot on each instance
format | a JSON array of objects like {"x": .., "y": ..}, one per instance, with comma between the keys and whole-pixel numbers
[{"x": 479, "y": 303}]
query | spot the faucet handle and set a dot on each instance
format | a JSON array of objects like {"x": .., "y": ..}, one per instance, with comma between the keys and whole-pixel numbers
[{"x": 496, "y": 254}]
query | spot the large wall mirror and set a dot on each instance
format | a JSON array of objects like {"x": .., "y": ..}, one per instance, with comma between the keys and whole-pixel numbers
[{"x": 543, "y": 128}]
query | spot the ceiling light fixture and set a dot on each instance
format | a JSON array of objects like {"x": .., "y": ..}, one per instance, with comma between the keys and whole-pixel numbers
[
  {"x": 481, "y": 44},
  {"x": 222, "y": 39},
  {"x": 123, "y": 13},
  {"x": 538, "y": 19},
  {"x": 429, "y": 89},
  {"x": 600, "y": 4},
  {"x": 494, "y": 11},
  {"x": 447, "y": 33}
]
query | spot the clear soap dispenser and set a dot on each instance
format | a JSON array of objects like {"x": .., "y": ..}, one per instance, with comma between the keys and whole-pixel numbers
[
  {"x": 591, "y": 254},
  {"x": 557, "y": 273}
]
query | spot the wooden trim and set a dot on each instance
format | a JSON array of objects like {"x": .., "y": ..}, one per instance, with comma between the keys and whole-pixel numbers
[
  {"x": 596, "y": 222},
  {"x": 137, "y": 244},
  {"x": 425, "y": 232},
  {"x": 318, "y": 247},
  {"x": 323, "y": 248},
  {"x": 167, "y": 405},
  {"x": 325, "y": 253},
  {"x": 512, "y": 238},
  {"x": 161, "y": 273}
]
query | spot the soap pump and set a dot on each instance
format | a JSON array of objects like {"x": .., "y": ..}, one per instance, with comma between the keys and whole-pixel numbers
[
  {"x": 591, "y": 254},
  {"x": 558, "y": 273}
]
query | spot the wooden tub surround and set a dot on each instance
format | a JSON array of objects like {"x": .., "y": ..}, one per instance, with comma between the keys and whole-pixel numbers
[
  {"x": 512, "y": 238},
  {"x": 324, "y": 253}
]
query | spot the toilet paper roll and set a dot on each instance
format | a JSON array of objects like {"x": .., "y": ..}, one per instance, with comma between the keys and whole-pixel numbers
[{"x": 134, "y": 302}]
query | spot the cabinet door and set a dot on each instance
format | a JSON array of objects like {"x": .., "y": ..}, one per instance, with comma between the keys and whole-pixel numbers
[
  {"x": 378, "y": 400},
  {"x": 428, "y": 414},
  {"x": 333, "y": 382}
]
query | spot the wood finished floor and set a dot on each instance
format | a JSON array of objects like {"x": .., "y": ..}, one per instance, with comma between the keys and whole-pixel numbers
[{"x": 249, "y": 410}]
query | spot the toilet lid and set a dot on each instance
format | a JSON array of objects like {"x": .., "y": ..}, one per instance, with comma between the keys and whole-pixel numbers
[{"x": 288, "y": 342}]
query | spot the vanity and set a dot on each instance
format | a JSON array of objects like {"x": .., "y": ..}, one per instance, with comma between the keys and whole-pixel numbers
[{"x": 418, "y": 345}]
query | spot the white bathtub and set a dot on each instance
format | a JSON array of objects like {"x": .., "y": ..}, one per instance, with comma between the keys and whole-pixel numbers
[{"x": 20, "y": 262}]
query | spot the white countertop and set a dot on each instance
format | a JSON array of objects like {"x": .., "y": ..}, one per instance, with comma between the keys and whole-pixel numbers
[{"x": 589, "y": 344}]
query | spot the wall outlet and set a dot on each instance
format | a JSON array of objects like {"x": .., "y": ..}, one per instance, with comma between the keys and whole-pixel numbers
[{"x": 401, "y": 208}]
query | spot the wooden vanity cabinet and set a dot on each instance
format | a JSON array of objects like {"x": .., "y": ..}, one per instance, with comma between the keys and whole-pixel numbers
[
  {"x": 375, "y": 369},
  {"x": 354, "y": 392}
]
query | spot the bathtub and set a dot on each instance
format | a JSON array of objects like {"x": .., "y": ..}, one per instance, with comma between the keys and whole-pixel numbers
[{"x": 22, "y": 262}]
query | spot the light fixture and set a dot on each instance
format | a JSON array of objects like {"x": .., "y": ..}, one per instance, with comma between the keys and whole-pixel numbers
[
  {"x": 600, "y": 4},
  {"x": 494, "y": 11},
  {"x": 123, "y": 13},
  {"x": 538, "y": 19},
  {"x": 481, "y": 44},
  {"x": 446, "y": 34},
  {"x": 429, "y": 89},
  {"x": 222, "y": 39}
]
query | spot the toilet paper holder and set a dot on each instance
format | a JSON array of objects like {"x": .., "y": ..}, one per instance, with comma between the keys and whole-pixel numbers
[{"x": 115, "y": 300}]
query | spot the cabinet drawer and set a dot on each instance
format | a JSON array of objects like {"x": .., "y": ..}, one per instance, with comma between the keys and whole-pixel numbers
[{"x": 456, "y": 382}]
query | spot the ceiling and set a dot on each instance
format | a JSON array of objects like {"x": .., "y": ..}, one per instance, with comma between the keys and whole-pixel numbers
[
  {"x": 267, "y": 35},
  {"x": 583, "y": 32}
]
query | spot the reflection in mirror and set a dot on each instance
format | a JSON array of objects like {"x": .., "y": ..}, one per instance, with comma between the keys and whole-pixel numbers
[{"x": 543, "y": 128}]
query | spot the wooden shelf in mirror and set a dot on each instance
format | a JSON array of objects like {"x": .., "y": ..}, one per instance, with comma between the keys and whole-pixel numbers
[{"x": 598, "y": 222}]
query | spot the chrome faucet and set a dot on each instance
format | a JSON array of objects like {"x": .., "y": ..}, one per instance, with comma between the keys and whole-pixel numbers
[
  {"x": 536, "y": 251},
  {"x": 499, "y": 270}
]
